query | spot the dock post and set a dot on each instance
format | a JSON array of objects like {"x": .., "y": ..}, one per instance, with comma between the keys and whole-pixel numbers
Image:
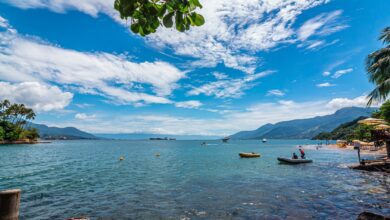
[{"x": 9, "y": 204}]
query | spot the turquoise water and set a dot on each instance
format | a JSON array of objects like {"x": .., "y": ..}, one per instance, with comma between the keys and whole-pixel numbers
[{"x": 85, "y": 178}]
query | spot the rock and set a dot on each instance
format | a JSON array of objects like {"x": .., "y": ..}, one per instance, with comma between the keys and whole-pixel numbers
[{"x": 371, "y": 216}]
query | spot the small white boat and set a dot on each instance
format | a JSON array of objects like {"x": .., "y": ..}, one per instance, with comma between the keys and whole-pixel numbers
[
  {"x": 293, "y": 161},
  {"x": 264, "y": 140}
]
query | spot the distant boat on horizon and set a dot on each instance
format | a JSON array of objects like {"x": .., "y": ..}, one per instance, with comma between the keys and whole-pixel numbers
[{"x": 225, "y": 139}]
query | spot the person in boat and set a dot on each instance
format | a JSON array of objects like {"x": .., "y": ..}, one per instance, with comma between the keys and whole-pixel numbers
[
  {"x": 295, "y": 156},
  {"x": 302, "y": 152}
]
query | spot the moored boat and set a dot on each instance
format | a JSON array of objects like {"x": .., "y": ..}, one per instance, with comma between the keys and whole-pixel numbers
[
  {"x": 264, "y": 140},
  {"x": 293, "y": 161},
  {"x": 249, "y": 155}
]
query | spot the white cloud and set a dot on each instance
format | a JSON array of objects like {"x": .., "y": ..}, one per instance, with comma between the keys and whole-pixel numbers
[
  {"x": 339, "y": 73},
  {"x": 326, "y": 84},
  {"x": 3, "y": 22},
  {"x": 112, "y": 76},
  {"x": 326, "y": 73},
  {"x": 232, "y": 26},
  {"x": 90, "y": 7},
  {"x": 321, "y": 25},
  {"x": 220, "y": 75},
  {"x": 360, "y": 101},
  {"x": 188, "y": 104},
  {"x": 38, "y": 96},
  {"x": 228, "y": 88},
  {"x": 275, "y": 92},
  {"x": 83, "y": 116}
]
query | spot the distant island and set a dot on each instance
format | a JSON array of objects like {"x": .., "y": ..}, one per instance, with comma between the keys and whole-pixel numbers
[
  {"x": 162, "y": 139},
  {"x": 148, "y": 136}
]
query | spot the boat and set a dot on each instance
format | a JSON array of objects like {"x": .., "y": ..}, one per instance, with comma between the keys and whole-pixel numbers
[
  {"x": 264, "y": 140},
  {"x": 225, "y": 139},
  {"x": 249, "y": 155},
  {"x": 293, "y": 161}
]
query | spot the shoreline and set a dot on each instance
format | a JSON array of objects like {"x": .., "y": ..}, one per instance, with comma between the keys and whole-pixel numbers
[
  {"x": 23, "y": 142},
  {"x": 379, "y": 152}
]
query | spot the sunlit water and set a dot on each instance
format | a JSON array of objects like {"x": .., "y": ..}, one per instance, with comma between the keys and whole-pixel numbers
[{"x": 85, "y": 178}]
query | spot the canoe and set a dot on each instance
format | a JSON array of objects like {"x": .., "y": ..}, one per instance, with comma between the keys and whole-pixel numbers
[
  {"x": 293, "y": 161},
  {"x": 249, "y": 155}
]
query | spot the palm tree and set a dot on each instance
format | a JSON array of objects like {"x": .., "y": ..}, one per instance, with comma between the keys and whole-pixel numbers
[{"x": 378, "y": 68}]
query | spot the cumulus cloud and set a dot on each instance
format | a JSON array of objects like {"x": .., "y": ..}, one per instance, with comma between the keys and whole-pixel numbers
[
  {"x": 228, "y": 88},
  {"x": 275, "y": 92},
  {"x": 339, "y": 73},
  {"x": 38, "y": 96},
  {"x": 232, "y": 26},
  {"x": 112, "y": 76},
  {"x": 360, "y": 101},
  {"x": 326, "y": 84}
]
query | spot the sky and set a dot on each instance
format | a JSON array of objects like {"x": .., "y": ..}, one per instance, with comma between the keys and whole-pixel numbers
[{"x": 253, "y": 62}]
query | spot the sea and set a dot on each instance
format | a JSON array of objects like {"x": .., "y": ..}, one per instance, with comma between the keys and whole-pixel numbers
[{"x": 188, "y": 180}]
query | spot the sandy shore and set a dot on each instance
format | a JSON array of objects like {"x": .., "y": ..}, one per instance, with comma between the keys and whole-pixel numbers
[{"x": 380, "y": 152}]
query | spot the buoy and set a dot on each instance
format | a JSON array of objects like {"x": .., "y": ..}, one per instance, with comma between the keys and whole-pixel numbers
[
  {"x": 121, "y": 158},
  {"x": 157, "y": 154}
]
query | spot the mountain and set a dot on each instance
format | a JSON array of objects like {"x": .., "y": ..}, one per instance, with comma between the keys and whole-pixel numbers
[
  {"x": 46, "y": 132},
  {"x": 145, "y": 136},
  {"x": 343, "y": 132},
  {"x": 305, "y": 128}
]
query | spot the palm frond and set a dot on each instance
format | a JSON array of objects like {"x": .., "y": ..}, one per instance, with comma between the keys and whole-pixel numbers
[{"x": 385, "y": 35}]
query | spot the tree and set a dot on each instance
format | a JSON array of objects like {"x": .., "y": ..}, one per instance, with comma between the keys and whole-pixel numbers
[
  {"x": 13, "y": 120},
  {"x": 2, "y": 134},
  {"x": 146, "y": 16},
  {"x": 363, "y": 132},
  {"x": 383, "y": 112},
  {"x": 378, "y": 68}
]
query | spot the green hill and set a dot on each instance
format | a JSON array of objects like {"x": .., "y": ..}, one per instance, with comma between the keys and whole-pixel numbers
[
  {"x": 305, "y": 128},
  {"x": 343, "y": 132}
]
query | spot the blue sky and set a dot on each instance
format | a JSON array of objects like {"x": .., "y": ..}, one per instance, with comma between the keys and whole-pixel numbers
[{"x": 253, "y": 62}]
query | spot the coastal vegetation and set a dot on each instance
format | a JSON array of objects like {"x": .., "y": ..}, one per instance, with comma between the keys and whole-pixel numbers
[
  {"x": 147, "y": 16},
  {"x": 353, "y": 130},
  {"x": 346, "y": 131},
  {"x": 14, "y": 121},
  {"x": 378, "y": 68}
]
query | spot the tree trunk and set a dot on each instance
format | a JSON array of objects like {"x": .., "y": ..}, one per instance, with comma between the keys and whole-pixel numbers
[{"x": 388, "y": 148}]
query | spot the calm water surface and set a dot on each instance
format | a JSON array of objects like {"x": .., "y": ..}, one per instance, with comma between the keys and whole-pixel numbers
[{"x": 85, "y": 178}]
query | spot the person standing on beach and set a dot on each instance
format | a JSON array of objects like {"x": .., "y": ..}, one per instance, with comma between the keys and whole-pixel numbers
[{"x": 302, "y": 152}]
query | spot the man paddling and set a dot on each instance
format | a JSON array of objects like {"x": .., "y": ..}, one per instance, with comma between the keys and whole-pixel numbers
[{"x": 302, "y": 152}]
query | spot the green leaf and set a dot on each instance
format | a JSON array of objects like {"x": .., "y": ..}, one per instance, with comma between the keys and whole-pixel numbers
[
  {"x": 197, "y": 19},
  {"x": 197, "y": 3},
  {"x": 134, "y": 27},
  {"x": 162, "y": 9},
  {"x": 167, "y": 20}
]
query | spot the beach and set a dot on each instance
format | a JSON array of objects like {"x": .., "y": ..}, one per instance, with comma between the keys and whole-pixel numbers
[{"x": 378, "y": 153}]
